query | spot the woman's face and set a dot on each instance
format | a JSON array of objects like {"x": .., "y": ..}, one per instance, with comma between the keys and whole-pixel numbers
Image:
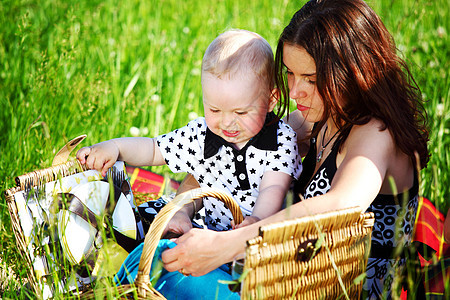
[{"x": 301, "y": 75}]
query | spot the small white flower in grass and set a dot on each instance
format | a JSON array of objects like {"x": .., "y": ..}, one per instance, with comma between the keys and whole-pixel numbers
[
  {"x": 195, "y": 72},
  {"x": 186, "y": 30},
  {"x": 440, "y": 109},
  {"x": 144, "y": 131},
  {"x": 401, "y": 48},
  {"x": 111, "y": 41},
  {"x": 155, "y": 98},
  {"x": 440, "y": 31},
  {"x": 425, "y": 46},
  {"x": 192, "y": 115},
  {"x": 275, "y": 22},
  {"x": 191, "y": 95},
  {"x": 173, "y": 44},
  {"x": 440, "y": 135},
  {"x": 134, "y": 131}
]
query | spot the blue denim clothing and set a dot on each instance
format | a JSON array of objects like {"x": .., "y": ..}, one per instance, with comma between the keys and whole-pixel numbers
[{"x": 174, "y": 285}]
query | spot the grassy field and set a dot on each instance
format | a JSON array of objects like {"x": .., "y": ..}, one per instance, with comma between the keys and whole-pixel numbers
[{"x": 102, "y": 67}]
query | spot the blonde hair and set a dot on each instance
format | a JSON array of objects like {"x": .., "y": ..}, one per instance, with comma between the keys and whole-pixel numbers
[{"x": 236, "y": 52}]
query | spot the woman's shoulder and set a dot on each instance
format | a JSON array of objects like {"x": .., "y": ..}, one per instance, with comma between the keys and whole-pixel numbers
[
  {"x": 372, "y": 128},
  {"x": 372, "y": 136},
  {"x": 375, "y": 143}
]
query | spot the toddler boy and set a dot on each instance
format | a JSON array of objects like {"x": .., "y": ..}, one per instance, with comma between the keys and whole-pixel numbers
[{"x": 239, "y": 146}]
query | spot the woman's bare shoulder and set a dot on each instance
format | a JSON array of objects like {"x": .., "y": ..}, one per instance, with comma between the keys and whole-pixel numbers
[
  {"x": 374, "y": 128},
  {"x": 370, "y": 137}
]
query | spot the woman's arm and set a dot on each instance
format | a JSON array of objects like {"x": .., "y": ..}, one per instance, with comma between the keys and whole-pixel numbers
[{"x": 363, "y": 164}]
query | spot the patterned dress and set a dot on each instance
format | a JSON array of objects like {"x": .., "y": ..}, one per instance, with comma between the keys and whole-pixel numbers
[{"x": 394, "y": 221}]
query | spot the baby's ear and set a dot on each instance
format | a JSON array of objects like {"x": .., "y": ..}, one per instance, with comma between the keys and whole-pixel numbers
[{"x": 274, "y": 98}]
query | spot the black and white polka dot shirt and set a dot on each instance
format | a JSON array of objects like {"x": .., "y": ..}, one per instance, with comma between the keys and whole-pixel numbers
[{"x": 215, "y": 163}]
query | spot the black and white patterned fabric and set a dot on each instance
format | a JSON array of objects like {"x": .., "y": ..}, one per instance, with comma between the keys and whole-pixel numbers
[
  {"x": 394, "y": 222},
  {"x": 215, "y": 163},
  {"x": 319, "y": 185},
  {"x": 148, "y": 211}
]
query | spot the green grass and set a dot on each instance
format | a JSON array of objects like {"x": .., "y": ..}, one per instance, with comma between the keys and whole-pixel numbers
[{"x": 100, "y": 67}]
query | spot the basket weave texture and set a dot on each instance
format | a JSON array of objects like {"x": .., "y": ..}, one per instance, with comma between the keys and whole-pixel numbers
[
  {"x": 316, "y": 257},
  {"x": 25, "y": 182}
]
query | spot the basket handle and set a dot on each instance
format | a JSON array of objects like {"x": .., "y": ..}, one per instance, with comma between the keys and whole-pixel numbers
[
  {"x": 63, "y": 154},
  {"x": 158, "y": 225}
]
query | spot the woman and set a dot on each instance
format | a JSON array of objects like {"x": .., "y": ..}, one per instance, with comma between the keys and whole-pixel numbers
[{"x": 364, "y": 126}]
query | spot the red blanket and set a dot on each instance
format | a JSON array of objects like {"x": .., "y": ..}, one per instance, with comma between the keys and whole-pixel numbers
[
  {"x": 434, "y": 252},
  {"x": 146, "y": 182}
]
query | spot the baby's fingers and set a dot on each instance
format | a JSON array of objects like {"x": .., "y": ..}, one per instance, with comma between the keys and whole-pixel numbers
[
  {"x": 82, "y": 154},
  {"x": 108, "y": 164}
]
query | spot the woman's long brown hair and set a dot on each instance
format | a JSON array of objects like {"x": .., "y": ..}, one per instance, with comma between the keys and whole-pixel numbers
[{"x": 359, "y": 75}]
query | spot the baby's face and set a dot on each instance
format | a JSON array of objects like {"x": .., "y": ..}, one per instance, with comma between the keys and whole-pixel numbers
[{"x": 235, "y": 109}]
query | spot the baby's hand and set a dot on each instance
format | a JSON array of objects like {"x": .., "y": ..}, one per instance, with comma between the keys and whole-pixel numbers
[
  {"x": 247, "y": 221},
  {"x": 100, "y": 157},
  {"x": 179, "y": 224}
]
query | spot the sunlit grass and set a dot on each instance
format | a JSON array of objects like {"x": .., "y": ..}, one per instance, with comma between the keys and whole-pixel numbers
[{"x": 102, "y": 67}]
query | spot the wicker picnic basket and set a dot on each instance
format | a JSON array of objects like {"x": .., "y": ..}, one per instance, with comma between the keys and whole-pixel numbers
[
  {"x": 34, "y": 204},
  {"x": 26, "y": 182},
  {"x": 315, "y": 257}
]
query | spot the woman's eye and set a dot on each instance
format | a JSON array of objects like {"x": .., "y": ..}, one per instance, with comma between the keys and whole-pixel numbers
[
  {"x": 287, "y": 72},
  {"x": 310, "y": 80},
  {"x": 241, "y": 113},
  {"x": 214, "y": 110}
]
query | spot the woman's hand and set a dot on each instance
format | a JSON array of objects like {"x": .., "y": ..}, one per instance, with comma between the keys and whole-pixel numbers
[{"x": 200, "y": 251}]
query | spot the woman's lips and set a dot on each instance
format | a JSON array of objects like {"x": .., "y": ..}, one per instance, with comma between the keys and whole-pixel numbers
[
  {"x": 230, "y": 133},
  {"x": 302, "y": 108}
]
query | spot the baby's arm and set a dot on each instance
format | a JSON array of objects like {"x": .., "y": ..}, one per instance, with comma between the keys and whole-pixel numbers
[
  {"x": 272, "y": 190},
  {"x": 136, "y": 151},
  {"x": 181, "y": 221}
]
